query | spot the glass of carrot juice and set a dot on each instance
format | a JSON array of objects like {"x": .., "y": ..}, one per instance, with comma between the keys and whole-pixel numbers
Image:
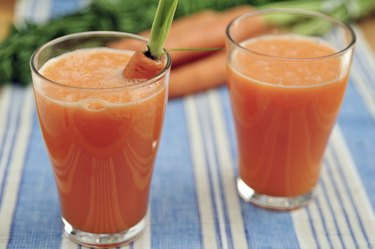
[
  {"x": 287, "y": 75},
  {"x": 101, "y": 132}
]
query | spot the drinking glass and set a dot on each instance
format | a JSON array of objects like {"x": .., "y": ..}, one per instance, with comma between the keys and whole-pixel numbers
[
  {"x": 101, "y": 140},
  {"x": 287, "y": 74}
]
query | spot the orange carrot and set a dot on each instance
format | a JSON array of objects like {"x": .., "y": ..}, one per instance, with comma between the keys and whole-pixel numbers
[
  {"x": 142, "y": 67},
  {"x": 181, "y": 25},
  {"x": 209, "y": 35},
  {"x": 197, "y": 76}
]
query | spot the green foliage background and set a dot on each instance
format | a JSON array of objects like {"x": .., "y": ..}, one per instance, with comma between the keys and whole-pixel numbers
[{"x": 135, "y": 16}]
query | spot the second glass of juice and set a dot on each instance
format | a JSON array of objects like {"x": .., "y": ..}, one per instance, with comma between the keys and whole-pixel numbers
[
  {"x": 102, "y": 133},
  {"x": 287, "y": 80}
]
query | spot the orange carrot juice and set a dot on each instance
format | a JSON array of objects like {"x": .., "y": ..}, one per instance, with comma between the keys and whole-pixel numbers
[
  {"x": 284, "y": 110},
  {"x": 102, "y": 135}
]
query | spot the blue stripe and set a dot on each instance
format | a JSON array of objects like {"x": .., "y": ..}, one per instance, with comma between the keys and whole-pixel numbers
[
  {"x": 175, "y": 218},
  {"x": 59, "y": 8},
  {"x": 350, "y": 195},
  {"x": 331, "y": 211},
  {"x": 15, "y": 107}
]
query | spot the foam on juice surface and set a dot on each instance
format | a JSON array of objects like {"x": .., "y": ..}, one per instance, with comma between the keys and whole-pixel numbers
[
  {"x": 94, "y": 69},
  {"x": 287, "y": 60},
  {"x": 88, "y": 68}
]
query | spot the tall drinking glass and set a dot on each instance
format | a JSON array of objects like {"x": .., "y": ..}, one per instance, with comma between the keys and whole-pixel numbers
[
  {"x": 102, "y": 134},
  {"x": 287, "y": 75}
]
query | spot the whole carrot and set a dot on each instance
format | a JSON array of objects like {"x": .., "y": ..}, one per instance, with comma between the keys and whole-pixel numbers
[
  {"x": 206, "y": 35},
  {"x": 197, "y": 76}
]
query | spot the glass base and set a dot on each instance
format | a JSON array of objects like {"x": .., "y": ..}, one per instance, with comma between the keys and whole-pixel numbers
[
  {"x": 272, "y": 202},
  {"x": 104, "y": 240}
]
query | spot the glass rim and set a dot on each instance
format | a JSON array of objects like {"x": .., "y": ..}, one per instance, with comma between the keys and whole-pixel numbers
[
  {"x": 118, "y": 34},
  {"x": 326, "y": 17}
]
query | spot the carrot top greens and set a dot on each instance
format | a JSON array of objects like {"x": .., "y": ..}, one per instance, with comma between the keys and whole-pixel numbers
[{"x": 160, "y": 28}]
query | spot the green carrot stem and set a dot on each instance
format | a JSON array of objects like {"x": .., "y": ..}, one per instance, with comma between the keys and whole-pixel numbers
[
  {"x": 194, "y": 49},
  {"x": 160, "y": 27}
]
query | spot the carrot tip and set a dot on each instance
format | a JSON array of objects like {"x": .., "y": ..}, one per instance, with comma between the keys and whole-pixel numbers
[{"x": 140, "y": 66}]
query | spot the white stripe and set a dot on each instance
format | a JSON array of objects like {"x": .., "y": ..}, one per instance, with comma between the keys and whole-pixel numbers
[
  {"x": 84, "y": 3},
  {"x": 24, "y": 10},
  {"x": 231, "y": 197},
  {"x": 144, "y": 242},
  {"x": 43, "y": 8},
  {"x": 15, "y": 169},
  {"x": 9, "y": 135},
  {"x": 67, "y": 243},
  {"x": 209, "y": 141},
  {"x": 201, "y": 176},
  {"x": 357, "y": 191},
  {"x": 21, "y": 10},
  {"x": 5, "y": 100},
  {"x": 365, "y": 48},
  {"x": 303, "y": 230}
]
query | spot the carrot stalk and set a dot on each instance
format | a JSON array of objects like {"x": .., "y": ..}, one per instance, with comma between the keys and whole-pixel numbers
[{"x": 161, "y": 26}]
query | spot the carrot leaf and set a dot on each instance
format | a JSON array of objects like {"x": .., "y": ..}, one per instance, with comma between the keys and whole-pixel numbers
[{"x": 160, "y": 27}]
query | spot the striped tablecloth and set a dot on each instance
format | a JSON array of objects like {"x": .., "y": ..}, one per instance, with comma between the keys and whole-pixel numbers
[{"x": 193, "y": 199}]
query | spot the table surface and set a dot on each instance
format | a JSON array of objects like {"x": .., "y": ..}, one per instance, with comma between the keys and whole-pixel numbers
[{"x": 193, "y": 201}]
